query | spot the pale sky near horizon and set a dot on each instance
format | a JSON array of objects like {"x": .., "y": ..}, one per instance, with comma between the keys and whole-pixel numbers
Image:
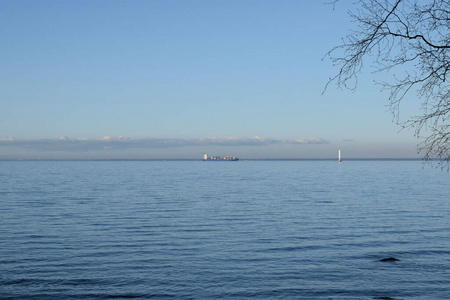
[{"x": 175, "y": 79}]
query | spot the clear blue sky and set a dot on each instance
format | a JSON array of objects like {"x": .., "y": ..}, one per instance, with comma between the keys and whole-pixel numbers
[{"x": 176, "y": 79}]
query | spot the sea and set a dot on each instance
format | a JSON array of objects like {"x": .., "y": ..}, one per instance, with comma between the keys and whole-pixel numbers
[{"x": 288, "y": 229}]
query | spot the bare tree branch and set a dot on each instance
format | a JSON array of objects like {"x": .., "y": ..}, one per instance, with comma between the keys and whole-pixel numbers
[{"x": 411, "y": 40}]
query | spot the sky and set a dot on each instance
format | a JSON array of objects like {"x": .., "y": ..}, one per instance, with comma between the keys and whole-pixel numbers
[{"x": 174, "y": 79}]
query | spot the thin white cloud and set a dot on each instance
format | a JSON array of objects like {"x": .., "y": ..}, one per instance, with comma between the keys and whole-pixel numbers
[
  {"x": 121, "y": 142},
  {"x": 8, "y": 139}
]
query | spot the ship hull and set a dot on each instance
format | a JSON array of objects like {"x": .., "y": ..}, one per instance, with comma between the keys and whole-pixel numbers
[{"x": 221, "y": 159}]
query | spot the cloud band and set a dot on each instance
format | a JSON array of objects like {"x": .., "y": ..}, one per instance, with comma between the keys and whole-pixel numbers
[{"x": 120, "y": 142}]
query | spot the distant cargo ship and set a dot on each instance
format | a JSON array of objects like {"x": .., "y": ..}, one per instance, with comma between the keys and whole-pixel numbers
[{"x": 219, "y": 158}]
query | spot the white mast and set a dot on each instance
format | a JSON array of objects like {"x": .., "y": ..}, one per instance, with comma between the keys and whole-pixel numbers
[{"x": 339, "y": 159}]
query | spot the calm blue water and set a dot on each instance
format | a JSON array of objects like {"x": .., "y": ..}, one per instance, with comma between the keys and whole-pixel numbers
[{"x": 224, "y": 230}]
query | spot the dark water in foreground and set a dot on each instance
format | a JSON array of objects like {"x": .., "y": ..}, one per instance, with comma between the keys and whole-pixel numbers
[{"x": 224, "y": 230}]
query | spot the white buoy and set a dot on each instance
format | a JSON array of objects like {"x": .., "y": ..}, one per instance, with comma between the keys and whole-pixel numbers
[{"x": 339, "y": 159}]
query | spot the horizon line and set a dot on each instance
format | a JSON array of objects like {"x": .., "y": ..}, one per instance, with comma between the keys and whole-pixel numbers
[{"x": 199, "y": 159}]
